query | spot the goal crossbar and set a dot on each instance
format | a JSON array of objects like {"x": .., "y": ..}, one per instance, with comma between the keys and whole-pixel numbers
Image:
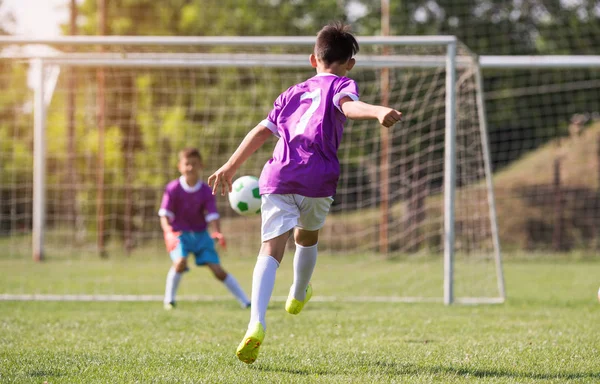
[
  {"x": 196, "y": 60},
  {"x": 218, "y": 40}
]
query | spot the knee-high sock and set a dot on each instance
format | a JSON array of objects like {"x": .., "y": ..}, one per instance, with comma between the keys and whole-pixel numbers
[
  {"x": 263, "y": 282},
  {"x": 173, "y": 279},
  {"x": 237, "y": 291},
  {"x": 305, "y": 260}
]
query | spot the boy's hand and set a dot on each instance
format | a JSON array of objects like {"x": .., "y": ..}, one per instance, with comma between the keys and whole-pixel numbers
[
  {"x": 223, "y": 177},
  {"x": 218, "y": 236},
  {"x": 388, "y": 116},
  {"x": 171, "y": 240}
]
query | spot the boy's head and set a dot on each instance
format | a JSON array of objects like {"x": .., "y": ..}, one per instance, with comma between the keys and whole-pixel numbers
[
  {"x": 190, "y": 162},
  {"x": 335, "y": 44}
]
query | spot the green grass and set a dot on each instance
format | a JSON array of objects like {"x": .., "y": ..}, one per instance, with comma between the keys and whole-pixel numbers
[{"x": 546, "y": 332}]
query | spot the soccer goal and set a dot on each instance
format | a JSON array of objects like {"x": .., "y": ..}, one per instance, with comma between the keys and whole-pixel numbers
[{"x": 417, "y": 198}]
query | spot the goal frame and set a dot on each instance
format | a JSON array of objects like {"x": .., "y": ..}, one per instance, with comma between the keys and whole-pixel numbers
[{"x": 42, "y": 93}]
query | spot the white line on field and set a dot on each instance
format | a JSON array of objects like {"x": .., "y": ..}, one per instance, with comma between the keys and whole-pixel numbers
[{"x": 323, "y": 299}]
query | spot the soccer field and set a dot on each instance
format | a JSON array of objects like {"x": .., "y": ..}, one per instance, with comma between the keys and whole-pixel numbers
[{"x": 547, "y": 331}]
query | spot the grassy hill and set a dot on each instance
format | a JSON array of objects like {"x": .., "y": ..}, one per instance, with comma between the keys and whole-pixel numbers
[
  {"x": 578, "y": 157},
  {"x": 534, "y": 214}
]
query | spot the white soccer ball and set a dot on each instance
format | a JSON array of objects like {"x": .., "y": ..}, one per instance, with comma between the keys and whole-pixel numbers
[{"x": 245, "y": 196}]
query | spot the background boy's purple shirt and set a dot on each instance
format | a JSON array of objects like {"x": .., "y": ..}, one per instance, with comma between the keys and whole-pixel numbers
[
  {"x": 305, "y": 158},
  {"x": 189, "y": 209}
]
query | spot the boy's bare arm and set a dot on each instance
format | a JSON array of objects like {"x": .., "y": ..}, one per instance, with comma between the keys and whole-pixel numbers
[
  {"x": 215, "y": 225},
  {"x": 171, "y": 238},
  {"x": 165, "y": 225},
  {"x": 224, "y": 175},
  {"x": 358, "y": 110}
]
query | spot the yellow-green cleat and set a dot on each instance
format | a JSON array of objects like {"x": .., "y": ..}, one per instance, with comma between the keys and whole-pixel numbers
[
  {"x": 294, "y": 306},
  {"x": 247, "y": 351},
  {"x": 169, "y": 306}
]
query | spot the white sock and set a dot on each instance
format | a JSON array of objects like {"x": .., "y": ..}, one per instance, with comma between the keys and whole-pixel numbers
[
  {"x": 237, "y": 291},
  {"x": 305, "y": 260},
  {"x": 173, "y": 278},
  {"x": 263, "y": 282}
]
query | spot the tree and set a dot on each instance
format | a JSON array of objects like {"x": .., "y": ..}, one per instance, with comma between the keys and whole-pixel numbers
[
  {"x": 142, "y": 114},
  {"x": 509, "y": 28},
  {"x": 15, "y": 138}
]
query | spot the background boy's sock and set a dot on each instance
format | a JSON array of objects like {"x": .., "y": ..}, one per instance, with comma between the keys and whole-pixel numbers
[
  {"x": 237, "y": 291},
  {"x": 305, "y": 260},
  {"x": 263, "y": 281},
  {"x": 173, "y": 278}
]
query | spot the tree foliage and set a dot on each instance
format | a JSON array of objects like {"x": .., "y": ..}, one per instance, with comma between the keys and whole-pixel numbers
[{"x": 147, "y": 118}]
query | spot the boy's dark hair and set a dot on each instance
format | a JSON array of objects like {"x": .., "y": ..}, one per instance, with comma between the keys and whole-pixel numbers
[
  {"x": 335, "y": 43},
  {"x": 186, "y": 153}
]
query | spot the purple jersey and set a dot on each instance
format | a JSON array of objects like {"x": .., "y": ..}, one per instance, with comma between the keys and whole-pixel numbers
[
  {"x": 189, "y": 208},
  {"x": 309, "y": 122}
]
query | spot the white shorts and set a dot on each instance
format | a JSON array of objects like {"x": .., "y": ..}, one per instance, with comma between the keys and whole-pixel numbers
[{"x": 281, "y": 213}]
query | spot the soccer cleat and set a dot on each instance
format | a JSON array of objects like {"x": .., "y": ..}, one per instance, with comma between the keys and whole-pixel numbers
[
  {"x": 294, "y": 306},
  {"x": 169, "y": 306},
  {"x": 247, "y": 351}
]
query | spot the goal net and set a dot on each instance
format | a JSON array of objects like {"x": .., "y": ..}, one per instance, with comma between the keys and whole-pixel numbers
[{"x": 109, "y": 125}]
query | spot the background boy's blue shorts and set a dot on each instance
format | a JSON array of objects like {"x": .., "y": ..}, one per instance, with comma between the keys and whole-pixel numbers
[{"x": 198, "y": 243}]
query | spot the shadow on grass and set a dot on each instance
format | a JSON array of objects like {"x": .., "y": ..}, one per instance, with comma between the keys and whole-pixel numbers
[
  {"x": 403, "y": 369},
  {"x": 44, "y": 373},
  {"x": 296, "y": 371},
  {"x": 394, "y": 368}
]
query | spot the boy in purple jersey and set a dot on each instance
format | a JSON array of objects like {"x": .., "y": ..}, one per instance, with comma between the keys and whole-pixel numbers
[
  {"x": 188, "y": 207},
  {"x": 297, "y": 184}
]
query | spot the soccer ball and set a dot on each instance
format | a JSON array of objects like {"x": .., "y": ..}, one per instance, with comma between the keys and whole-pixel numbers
[{"x": 245, "y": 196}]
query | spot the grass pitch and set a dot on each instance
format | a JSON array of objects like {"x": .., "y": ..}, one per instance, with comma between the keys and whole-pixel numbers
[{"x": 548, "y": 330}]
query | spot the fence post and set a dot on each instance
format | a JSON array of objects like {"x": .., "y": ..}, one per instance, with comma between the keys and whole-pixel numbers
[{"x": 557, "y": 235}]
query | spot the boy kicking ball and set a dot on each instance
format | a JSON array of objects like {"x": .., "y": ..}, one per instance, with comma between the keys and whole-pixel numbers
[{"x": 298, "y": 183}]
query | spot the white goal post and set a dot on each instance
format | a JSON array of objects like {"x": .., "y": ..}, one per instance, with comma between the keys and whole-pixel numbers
[{"x": 446, "y": 57}]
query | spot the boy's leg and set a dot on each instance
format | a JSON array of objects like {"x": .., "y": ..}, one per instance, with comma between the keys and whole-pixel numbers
[
  {"x": 263, "y": 282},
  {"x": 179, "y": 257},
  {"x": 173, "y": 279},
  {"x": 305, "y": 260},
  {"x": 279, "y": 216},
  {"x": 313, "y": 212},
  {"x": 231, "y": 283},
  {"x": 263, "y": 277}
]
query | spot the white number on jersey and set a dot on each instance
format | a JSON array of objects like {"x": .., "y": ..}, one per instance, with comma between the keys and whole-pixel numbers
[{"x": 315, "y": 97}]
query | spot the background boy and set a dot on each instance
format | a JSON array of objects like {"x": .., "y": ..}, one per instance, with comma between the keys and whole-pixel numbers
[{"x": 188, "y": 207}]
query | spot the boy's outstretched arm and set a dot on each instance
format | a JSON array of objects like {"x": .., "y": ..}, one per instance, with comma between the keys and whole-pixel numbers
[
  {"x": 358, "y": 110},
  {"x": 224, "y": 175}
]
